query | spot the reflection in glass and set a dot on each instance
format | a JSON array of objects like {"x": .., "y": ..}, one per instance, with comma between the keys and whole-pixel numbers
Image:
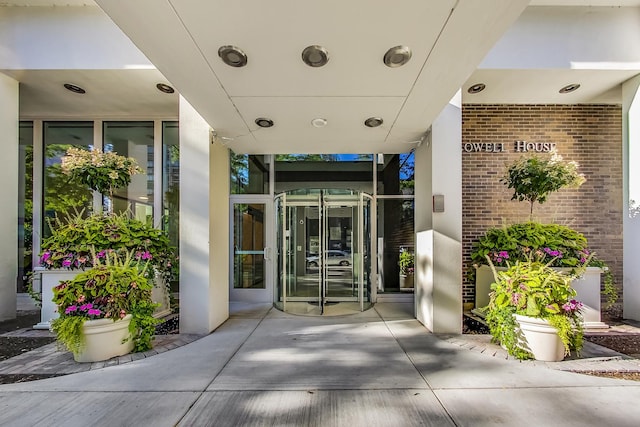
[
  {"x": 335, "y": 171},
  {"x": 132, "y": 139},
  {"x": 171, "y": 180},
  {"x": 395, "y": 234},
  {"x": 25, "y": 203},
  {"x": 62, "y": 197},
  {"x": 248, "y": 242},
  {"x": 249, "y": 174},
  {"x": 396, "y": 173}
]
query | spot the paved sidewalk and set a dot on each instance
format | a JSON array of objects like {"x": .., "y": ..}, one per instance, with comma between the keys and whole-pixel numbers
[{"x": 377, "y": 368}]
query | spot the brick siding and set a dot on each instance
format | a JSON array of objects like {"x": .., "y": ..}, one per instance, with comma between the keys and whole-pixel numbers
[{"x": 588, "y": 134}]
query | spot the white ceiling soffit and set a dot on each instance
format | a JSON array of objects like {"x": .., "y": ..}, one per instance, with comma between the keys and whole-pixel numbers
[
  {"x": 447, "y": 38},
  {"x": 108, "y": 94},
  {"x": 507, "y": 86}
]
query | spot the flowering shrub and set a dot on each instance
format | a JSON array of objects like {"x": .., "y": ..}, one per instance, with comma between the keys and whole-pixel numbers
[
  {"x": 99, "y": 171},
  {"x": 72, "y": 240},
  {"x": 534, "y": 177},
  {"x": 114, "y": 287},
  {"x": 532, "y": 288},
  {"x": 406, "y": 262},
  {"x": 556, "y": 244}
]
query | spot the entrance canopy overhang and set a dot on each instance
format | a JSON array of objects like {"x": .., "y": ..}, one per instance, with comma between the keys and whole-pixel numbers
[{"x": 447, "y": 40}]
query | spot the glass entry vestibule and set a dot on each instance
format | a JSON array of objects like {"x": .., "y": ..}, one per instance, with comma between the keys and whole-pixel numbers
[{"x": 323, "y": 252}]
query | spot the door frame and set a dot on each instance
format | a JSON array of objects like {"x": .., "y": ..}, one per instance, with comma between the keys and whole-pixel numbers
[
  {"x": 250, "y": 294},
  {"x": 358, "y": 217}
]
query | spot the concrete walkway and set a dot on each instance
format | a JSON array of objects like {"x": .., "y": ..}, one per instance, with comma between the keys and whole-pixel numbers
[{"x": 377, "y": 368}]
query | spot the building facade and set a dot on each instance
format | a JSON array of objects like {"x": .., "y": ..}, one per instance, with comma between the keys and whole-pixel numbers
[{"x": 272, "y": 147}]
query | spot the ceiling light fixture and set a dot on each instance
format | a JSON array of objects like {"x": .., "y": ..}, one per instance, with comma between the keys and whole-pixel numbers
[
  {"x": 319, "y": 123},
  {"x": 232, "y": 56},
  {"x": 569, "y": 88},
  {"x": 373, "y": 122},
  {"x": 164, "y": 88},
  {"x": 263, "y": 122},
  {"x": 315, "y": 56},
  {"x": 476, "y": 88},
  {"x": 397, "y": 56},
  {"x": 74, "y": 88}
]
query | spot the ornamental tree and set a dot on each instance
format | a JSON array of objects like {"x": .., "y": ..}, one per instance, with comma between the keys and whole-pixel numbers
[{"x": 534, "y": 177}]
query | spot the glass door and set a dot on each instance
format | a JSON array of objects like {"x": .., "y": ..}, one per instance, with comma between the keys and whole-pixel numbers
[
  {"x": 251, "y": 265},
  {"x": 323, "y": 252}
]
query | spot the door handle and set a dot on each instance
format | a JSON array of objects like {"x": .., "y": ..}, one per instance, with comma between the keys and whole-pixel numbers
[{"x": 267, "y": 253}]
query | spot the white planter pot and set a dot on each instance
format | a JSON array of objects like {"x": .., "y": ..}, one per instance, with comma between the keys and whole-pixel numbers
[
  {"x": 540, "y": 338},
  {"x": 49, "y": 279},
  {"x": 587, "y": 288},
  {"x": 406, "y": 281},
  {"x": 103, "y": 339}
]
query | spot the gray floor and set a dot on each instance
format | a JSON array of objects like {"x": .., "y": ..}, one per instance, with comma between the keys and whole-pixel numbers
[{"x": 377, "y": 368}]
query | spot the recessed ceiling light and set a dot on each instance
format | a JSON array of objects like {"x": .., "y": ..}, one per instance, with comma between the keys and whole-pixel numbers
[
  {"x": 569, "y": 88},
  {"x": 165, "y": 88},
  {"x": 397, "y": 56},
  {"x": 263, "y": 122},
  {"x": 315, "y": 56},
  {"x": 232, "y": 56},
  {"x": 478, "y": 87},
  {"x": 74, "y": 88},
  {"x": 319, "y": 123},
  {"x": 373, "y": 122}
]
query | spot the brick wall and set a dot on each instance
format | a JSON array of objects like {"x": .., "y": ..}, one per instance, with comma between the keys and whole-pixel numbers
[{"x": 588, "y": 134}]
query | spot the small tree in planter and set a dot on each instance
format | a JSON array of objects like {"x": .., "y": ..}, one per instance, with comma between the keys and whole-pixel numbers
[
  {"x": 534, "y": 177},
  {"x": 69, "y": 246}
]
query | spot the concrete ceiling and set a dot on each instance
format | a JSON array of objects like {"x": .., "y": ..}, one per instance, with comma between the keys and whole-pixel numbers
[
  {"x": 116, "y": 94},
  {"x": 182, "y": 38}
]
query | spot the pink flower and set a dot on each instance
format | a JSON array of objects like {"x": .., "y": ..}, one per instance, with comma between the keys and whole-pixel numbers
[
  {"x": 71, "y": 309},
  {"x": 94, "y": 312},
  {"x": 66, "y": 263}
]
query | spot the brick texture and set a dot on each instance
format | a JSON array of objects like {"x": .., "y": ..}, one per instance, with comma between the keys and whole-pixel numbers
[{"x": 588, "y": 134}]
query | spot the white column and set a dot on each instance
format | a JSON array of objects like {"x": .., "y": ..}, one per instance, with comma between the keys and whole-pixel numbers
[
  {"x": 438, "y": 291},
  {"x": 9, "y": 196},
  {"x": 204, "y": 226},
  {"x": 631, "y": 197}
]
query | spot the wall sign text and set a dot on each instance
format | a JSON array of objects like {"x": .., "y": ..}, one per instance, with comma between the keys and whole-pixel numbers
[{"x": 518, "y": 147}]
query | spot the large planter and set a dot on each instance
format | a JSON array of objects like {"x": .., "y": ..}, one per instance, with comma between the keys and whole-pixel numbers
[
  {"x": 104, "y": 339},
  {"x": 406, "y": 282},
  {"x": 49, "y": 279},
  {"x": 587, "y": 288},
  {"x": 540, "y": 338}
]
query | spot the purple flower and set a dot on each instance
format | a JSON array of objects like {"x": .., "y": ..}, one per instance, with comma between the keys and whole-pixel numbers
[
  {"x": 94, "y": 312},
  {"x": 87, "y": 306},
  {"x": 66, "y": 263},
  {"x": 572, "y": 306},
  {"x": 548, "y": 251},
  {"x": 101, "y": 254},
  {"x": 45, "y": 257},
  {"x": 503, "y": 254},
  {"x": 70, "y": 309}
]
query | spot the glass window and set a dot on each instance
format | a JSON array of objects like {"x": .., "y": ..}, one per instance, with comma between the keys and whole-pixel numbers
[
  {"x": 171, "y": 180},
  {"x": 25, "y": 203},
  {"x": 249, "y": 174},
  {"x": 132, "y": 139},
  {"x": 313, "y": 171},
  {"x": 249, "y": 242},
  {"x": 395, "y": 235},
  {"x": 396, "y": 173},
  {"x": 62, "y": 197}
]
